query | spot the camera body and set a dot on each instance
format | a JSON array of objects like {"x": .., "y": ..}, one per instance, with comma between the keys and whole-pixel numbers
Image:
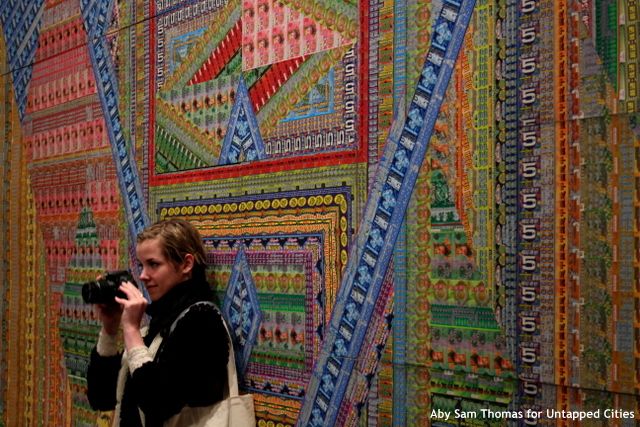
[{"x": 104, "y": 290}]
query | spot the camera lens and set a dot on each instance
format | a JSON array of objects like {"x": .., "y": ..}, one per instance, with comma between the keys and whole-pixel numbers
[
  {"x": 91, "y": 292},
  {"x": 105, "y": 289}
]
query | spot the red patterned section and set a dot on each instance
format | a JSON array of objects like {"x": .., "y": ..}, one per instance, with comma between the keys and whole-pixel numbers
[
  {"x": 67, "y": 75},
  {"x": 271, "y": 81},
  {"x": 220, "y": 56}
]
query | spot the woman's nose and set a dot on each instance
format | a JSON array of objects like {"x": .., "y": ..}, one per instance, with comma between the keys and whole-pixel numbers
[{"x": 144, "y": 275}]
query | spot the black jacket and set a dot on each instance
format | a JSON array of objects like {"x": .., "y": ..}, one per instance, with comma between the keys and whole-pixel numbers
[{"x": 189, "y": 368}]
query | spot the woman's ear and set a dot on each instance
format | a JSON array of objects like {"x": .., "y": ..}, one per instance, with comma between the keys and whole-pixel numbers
[{"x": 187, "y": 264}]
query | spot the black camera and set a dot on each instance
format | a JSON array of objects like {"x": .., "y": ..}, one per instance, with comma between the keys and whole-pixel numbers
[{"x": 104, "y": 290}]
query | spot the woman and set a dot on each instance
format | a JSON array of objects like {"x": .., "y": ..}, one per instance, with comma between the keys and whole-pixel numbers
[{"x": 149, "y": 384}]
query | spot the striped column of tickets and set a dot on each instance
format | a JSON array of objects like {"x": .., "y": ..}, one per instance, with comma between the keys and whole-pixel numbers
[{"x": 96, "y": 15}]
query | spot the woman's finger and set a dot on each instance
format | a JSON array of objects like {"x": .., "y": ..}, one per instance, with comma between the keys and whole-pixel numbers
[{"x": 131, "y": 291}]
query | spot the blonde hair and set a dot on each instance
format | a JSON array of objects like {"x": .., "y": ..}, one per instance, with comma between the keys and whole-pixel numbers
[{"x": 178, "y": 238}]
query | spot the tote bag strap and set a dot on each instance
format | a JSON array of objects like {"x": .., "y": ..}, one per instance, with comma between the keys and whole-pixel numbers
[{"x": 232, "y": 378}]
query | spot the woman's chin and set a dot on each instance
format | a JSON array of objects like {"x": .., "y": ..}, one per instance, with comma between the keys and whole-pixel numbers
[{"x": 153, "y": 293}]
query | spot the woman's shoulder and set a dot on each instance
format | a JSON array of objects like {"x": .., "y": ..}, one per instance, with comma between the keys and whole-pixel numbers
[
  {"x": 197, "y": 334},
  {"x": 202, "y": 313},
  {"x": 203, "y": 306}
]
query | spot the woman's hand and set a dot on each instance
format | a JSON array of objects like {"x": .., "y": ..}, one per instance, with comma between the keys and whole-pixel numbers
[
  {"x": 109, "y": 315},
  {"x": 133, "y": 307}
]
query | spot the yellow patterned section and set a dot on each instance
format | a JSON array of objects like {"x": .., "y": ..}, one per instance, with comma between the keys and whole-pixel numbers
[
  {"x": 268, "y": 406},
  {"x": 4, "y": 121},
  {"x": 464, "y": 185},
  {"x": 483, "y": 119},
  {"x": 331, "y": 222},
  {"x": 140, "y": 51},
  {"x": 561, "y": 74},
  {"x": 418, "y": 309},
  {"x": 27, "y": 272},
  {"x": 386, "y": 74},
  {"x": 350, "y": 175},
  {"x": 23, "y": 384},
  {"x": 629, "y": 42}
]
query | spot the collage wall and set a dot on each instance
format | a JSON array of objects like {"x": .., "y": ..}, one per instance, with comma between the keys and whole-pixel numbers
[{"x": 410, "y": 208}]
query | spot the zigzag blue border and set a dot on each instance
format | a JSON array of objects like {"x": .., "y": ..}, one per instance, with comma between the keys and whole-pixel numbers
[
  {"x": 230, "y": 143},
  {"x": 21, "y": 26},
  {"x": 385, "y": 210},
  {"x": 233, "y": 310},
  {"x": 96, "y": 15}
]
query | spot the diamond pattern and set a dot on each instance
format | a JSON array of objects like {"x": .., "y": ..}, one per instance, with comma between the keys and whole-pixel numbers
[
  {"x": 242, "y": 142},
  {"x": 242, "y": 311}
]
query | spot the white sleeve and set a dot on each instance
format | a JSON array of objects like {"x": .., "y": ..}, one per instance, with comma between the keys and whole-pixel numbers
[
  {"x": 107, "y": 344},
  {"x": 138, "y": 356}
]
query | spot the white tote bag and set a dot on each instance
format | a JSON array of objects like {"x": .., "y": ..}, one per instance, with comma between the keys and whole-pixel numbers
[{"x": 234, "y": 411}]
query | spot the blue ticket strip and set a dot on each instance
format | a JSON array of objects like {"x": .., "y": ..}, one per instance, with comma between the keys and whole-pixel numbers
[
  {"x": 21, "y": 20},
  {"x": 386, "y": 207},
  {"x": 97, "y": 15},
  {"x": 243, "y": 142},
  {"x": 241, "y": 310}
]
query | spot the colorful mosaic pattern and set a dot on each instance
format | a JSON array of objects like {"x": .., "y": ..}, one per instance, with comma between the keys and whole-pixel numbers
[
  {"x": 418, "y": 236},
  {"x": 295, "y": 261},
  {"x": 78, "y": 327},
  {"x": 96, "y": 20},
  {"x": 195, "y": 102},
  {"x": 386, "y": 207}
]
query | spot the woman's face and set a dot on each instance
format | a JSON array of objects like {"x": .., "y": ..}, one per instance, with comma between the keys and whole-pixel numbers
[{"x": 159, "y": 274}]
